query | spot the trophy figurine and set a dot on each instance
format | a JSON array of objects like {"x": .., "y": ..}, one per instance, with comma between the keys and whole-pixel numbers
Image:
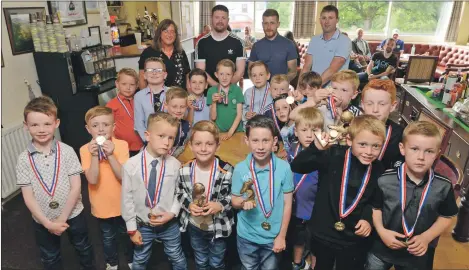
[
  {"x": 338, "y": 132},
  {"x": 198, "y": 194},
  {"x": 249, "y": 191}
]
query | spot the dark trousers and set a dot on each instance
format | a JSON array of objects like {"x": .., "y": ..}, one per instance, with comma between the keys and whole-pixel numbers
[
  {"x": 112, "y": 229},
  {"x": 49, "y": 244},
  {"x": 345, "y": 258}
]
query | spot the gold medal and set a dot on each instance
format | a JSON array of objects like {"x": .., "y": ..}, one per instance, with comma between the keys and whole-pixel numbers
[
  {"x": 339, "y": 226},
  {"x": 53, "y": 205},
  {"x": 265, "y": 225}
]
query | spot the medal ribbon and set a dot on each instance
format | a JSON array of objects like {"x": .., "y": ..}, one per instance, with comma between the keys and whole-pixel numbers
[
  {"x": 409, "y": 231},
  {"x": 386, "y": 142},
  {"x": 159, "y": 184},
  {"x": 258, "y": 190},
  {"x": 199, "y": 104},
  {"x": 332, "y": 108},
  {"x": 152, "y": 100},
  {"x": 343, "y": 210},
  {"x": 264, "y": 99},
  {"x": 171, "y": 151},
  {"x": 297, "y": 150},
  {"x": 213, "y": 172},
  {"x": 125, "y": 108},
  {"x": 101, "y": 154},
  {"x": 223, "y": 94},
  {"x": 49, "y": 190},
  {"x": 274, "y": 117}
]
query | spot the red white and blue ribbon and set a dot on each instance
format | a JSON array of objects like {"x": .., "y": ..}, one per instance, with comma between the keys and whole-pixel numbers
[
  {"x": 255, "y": 181},
  {"x": 302, "y": 179},
  {"x": 55, "y": 178},
  {"x": 409, "y": 231},
  {"x": 213, "y": 173},
  {"x": 199, "y": 104},
  {"x": 332, "y": 108},
  {"x": 223, "y": 94},
  {"x": 159, "y": 183},
  {"x": 386, "y": 142},
  {"x": 125, "y": 107},
  {"x": 180, "y": 135},
  {"x": 101, "y": 154},
  {"x": 264, "y": 99},
  {"x": 152, "y": 100},
  {"x": 343, "y": 210},
  {"x": 274, "y": 117}
]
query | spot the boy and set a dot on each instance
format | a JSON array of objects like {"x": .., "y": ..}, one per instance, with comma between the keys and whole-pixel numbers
[
  {"x": 176, "y": 104},
  {"x": 257, "y": 98},
  {"x": 308, "y": 122},
  {"x": 103, "y": 173},
  {"x": 150, "y": 99},
  {"x": 262, "y": 225},
  {"x": 209, "y": 220},
  {"x": 149, "y": 202},
  {"x": 226, "y": 101},
  {"x": 308, "y": 83},
  {"x": 196, "y": 101},
  {"x": 427, "y": 199},
  {"x": 278, "y": 86},
  {"x": 379, "y": 100},
  {"x": 48, "y": 172},
  {"x": 341, "y": 218},
  {"x": 122, "y": 108}
]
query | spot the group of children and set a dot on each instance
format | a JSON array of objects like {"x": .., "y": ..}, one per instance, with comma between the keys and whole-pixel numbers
[{"x": 334, "y": 203}]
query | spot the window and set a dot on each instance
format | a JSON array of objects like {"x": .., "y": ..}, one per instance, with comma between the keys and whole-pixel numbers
[
  {"x": 245, "y": 8},
  {"x": 371, "y": 16}
]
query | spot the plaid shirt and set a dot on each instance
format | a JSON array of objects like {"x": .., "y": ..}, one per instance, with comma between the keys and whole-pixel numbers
[{"x": 222, "y": 221}]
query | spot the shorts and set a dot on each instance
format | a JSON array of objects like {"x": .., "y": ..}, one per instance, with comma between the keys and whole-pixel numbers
[{"x": 298, "y": 232}]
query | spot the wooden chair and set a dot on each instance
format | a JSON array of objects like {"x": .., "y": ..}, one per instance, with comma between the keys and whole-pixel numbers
[
  {"x": 421, "y": 69},
  {"x": 446, "y": 167}
]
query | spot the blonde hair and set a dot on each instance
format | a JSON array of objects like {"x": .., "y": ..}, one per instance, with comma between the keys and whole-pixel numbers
[
  {"x": 98, "y": 111},
  {"x": 129, "y": 72},
  {"x": 279, "y": 78},
  {"x": 175, "y": 92},
  {"x": 258, "y": 64},
  {"x": 155, "y": 59},
  {"x": 369, "y": 123},
  {"x": 43, "y": 105},
  {"x": 347, "y": 76},
  {"x": 162, "y": 116},
  {"x": 208, "y": 126},
  {"x": 423, "y": 128},
  {"x": 385, "y": 85},
  {"x": 226, "y": 63},
  {"x": 311, "y": 117},
  {"x": 311, "y": 79}
]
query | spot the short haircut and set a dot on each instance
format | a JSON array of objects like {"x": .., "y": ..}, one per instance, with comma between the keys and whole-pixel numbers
[
  {"x": 129, "y": 72},
  {"x": 358, "y": 30},
  {"x": 226, "y": 63},
  {"x": 347, "y": 76},
  {"x": 258, "y": 64},
  {"x": 279, "y": 78},
  {"x": 197, "y": 72},
  {"x": 175, "y": 92},
  {"x": 389, "y": 40},
  {"x": 220, "y": 8},
  {"x": 260, "y": 121},
  {"x": 369, "y": 123},
  {"x": 311, "y": 79},
  {"x": 281, "y": 96},
  {"x": 330, "y": 8},
  {"x": 271, "y": 13},
  {"x": 385, "y": 85},
  {"x": 155, "y": 59},
  {"x": 97, "y": 111},
  {"x": 311, "y": 117},
  {"x": 162, "y": 116},
  {"x": 423, "y": 128},
  {"x": 208, "y": 126},
  {"x": 43, "y": 104}
]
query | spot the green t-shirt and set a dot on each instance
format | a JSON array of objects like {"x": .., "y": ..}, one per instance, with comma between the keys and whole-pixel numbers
[{"x": 226, "y": 113}]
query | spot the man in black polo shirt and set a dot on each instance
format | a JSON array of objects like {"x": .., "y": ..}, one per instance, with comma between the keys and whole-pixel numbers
[{"x": 220, "y": 44}]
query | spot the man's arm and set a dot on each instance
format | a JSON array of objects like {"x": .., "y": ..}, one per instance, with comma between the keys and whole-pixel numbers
[
  {"x": 291, "y": 69},
  {"x": 201, "y": 64},
  {"x": 307, "y": 65},
  {"x": 240, "y": 66},
  {"x": 336, "y": 64},
  {"x": 370, "y": 67}
]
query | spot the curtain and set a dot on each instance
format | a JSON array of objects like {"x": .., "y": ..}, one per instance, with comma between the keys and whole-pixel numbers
[
  {"x": 303, "y": 22},
  {"x": 205, "y": 13},
  {"x": 453, "y": 27}
]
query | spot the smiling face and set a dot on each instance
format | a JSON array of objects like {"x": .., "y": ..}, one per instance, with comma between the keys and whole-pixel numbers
[
  {"x": 276, "y": 89},
  {"x": 203, "y": 146},
  {"x": 198, "y": 84},
  {"x": 41, "y": 126},
  {"x": 389, "y": 46},
  {"x": 343, "y": 92},
  {"x": 224, "y": 75},
  {"x": 420, "y": 153},
  {"x": 157, "y": 75},
  {"x": 282, "y": 110},
  {"x": 328, "y": 22},
  {"x": 177, "y": 107},
  {"x": 260, "y": 141},
  {"x": 305, "y": 133},
  {"x": 102, "y": 125},
  {"x": 366, "y": 146},
  {"x": 220, "y": 21},
  {"x": 126, "y": 85},
  {"x": 378, "y": 103},
  {"x": 168, "y": 36},
  {"x": 259, "y": 76},
  {"x": 160, "y": 137}
]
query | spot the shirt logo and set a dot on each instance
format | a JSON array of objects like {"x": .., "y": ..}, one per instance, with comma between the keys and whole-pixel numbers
[{"x": 230, "y": 51}]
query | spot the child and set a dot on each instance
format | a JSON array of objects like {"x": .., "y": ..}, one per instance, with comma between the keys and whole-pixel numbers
[
  {"x": 226, "y": 101},
  {"x": 341, "y": 215},
  {"x": 176, "y": 104},
  {"x": 150, "y": 99},
  {"x": 428, "y": 200},
  {"x": 262, "y": 225},
  {"x": 279, "y": 85},
  {"x": 149, "y": 202},
  {"x": 122, "y": 108},
  {"x": 379, "y": 99},
  {"x": 196, "y": 101},
  {"x": 208, "y": 221},
  {"x": 308, "y": 122},
  {"x": 257, "y": 98},
  {"x": 287, "y": 131},
  {"x": 48, "y": 172},
  {"x": 308, "y": 83}
]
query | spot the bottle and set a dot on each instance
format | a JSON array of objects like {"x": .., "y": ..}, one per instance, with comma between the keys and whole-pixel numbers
[
  {"x": 412, "y": 51},
  {"x": 114, "y": 31}
]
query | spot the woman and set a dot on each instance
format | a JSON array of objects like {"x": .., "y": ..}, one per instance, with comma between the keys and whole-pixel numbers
[
  {"x": 290, "y": 36},
  {"x": 167, "y": 45}
]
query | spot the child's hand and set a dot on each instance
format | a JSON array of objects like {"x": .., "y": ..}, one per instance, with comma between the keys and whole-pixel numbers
[
  {"x": 57, "y": 228},
  {"x": 190, "y": 102},
  {"x": 212, "y": 208},
  {"x": 216, "y": 97},
  {"x": 321, "y": 95},
  {"x": 248, "y": 205},
  {"x": 390, "y": 239},
  {"x": 418, "y": 245},
  {"x": 279, "y": 244},
  {"x": 226, "y": 136},
  {"x": 325, "y": 137},
  {"x": 296, "y": 94},
  {"x": 137, "y": 238},
  {"x": 108, "y": 147},
  {"x": 363, "y": 228},
  {"x": 93, "y": 147},
  {"x": 195, "y": 210},
  {"x": 250, "y": 115},
  {"x": 161, "y": 218},
  {"x": 282, "y": 154}
]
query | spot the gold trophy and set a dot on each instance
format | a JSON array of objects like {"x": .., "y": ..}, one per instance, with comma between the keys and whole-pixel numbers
[
  {"x": 338, "y": 132},
  {"x": 249, "y": 191},
  {"x": 198, "y": 194}
]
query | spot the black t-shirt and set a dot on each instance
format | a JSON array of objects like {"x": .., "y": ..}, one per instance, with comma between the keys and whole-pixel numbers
[
  {"x": 213, "y": 51},
  {"x": 392, "y": 155},
  {"x": 177, "y": 66},
  {"x": 381, "y": 63}
]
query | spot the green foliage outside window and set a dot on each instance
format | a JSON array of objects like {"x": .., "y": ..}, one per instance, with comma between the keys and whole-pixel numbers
[{"x": 285, "y": 10}]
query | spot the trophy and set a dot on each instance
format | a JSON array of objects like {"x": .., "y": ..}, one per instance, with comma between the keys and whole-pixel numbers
[
  {"x": 198, "y": 194},
  {"x": 249, "y": 191},
  {"x": 337, "y": 132}
]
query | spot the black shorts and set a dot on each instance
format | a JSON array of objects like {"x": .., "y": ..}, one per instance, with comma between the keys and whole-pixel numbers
[{"x": 298, "y": 232}]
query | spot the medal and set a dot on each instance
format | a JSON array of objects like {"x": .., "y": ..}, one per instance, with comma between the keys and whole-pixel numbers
[
  {"x": 158, "y": 104},
  {"x": 159, "y": 183},
  {"x": 53, "y": 205},
  {"x": 264, "y": 99},
  {"x": 386, "y": 142},
  {"x": 343, "y": 210},
  {"x": 401, "y": 173},
  {"x": 213, "y": 172},
  {"x": 180, "y": 135},
  {"x": 125, "y": 108},
  {"x": 100, "y": 140},
  {"x": 331, "y": 106},
  {"x": 223, "y": 94},
  {"x": 265, "y": 225},
  {"x": 199, "y": 104}
]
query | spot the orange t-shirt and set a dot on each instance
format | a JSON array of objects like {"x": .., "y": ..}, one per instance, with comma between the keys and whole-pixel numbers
[
  {"x": 105, "y": 196},
  {"x": 124, "y": 118}
]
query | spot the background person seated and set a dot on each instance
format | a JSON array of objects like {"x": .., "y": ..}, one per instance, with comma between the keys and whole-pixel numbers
[
  {"x": 248, "y": 38},
  {"x": 382, "y": 64},
  {"x": 361, "y": 48},
  {"x": 399, "y": 43}
]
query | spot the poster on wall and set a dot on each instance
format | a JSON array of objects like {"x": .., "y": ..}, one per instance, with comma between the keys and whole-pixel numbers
[
  {"x": 17, "y": 22},
  {"x": 72, "y": 13}
]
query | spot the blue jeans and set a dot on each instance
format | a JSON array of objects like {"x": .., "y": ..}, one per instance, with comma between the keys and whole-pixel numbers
[
  {"x": 109, "y": 228},
  {"x": 170, "y": 236},
  {"x": 49, "y": 244},
  {"x": 375, "y": 263},
  {"x": 256, "y": 256},
  {"x": 209, "y": 252}
]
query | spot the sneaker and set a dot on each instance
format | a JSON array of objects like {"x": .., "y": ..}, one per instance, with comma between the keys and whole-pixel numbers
[
  {"x": 109, "y": 267},
  {"x": 307, "y": 265},
  {"x": 130, "y": 266}
]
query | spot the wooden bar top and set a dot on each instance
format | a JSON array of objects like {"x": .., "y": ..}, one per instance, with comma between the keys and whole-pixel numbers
[{"x": 128, "y": 51}]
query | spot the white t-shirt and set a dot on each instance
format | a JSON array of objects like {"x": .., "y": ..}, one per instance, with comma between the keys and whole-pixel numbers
[{"x": 203, "y": 177}]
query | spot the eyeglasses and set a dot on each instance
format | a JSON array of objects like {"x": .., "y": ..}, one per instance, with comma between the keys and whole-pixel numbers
[
  {"x": 172, "y": 32},
  {"x": 154, "y": 70}
]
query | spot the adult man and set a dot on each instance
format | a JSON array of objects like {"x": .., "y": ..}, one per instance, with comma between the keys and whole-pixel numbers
[
  {"x": 220, "y": 44},
  {"x": 361, "y": 48},
  {"x": 206, "y": 31},
  {"x": 382, "y": 63},
  {"x": 399, "y": 43},
  {"x": 328, "y": 52},
  {"x": 278, "y": 52},
  {"x": 249, "y": 40}
]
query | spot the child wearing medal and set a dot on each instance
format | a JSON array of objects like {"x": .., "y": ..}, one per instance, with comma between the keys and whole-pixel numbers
[
  {"x": 379, "y": 99},
  {"x": 176, "y": 104},
  {"x": 341, "y": 216},
  {"x": 257, "y": 99},
  {"x": 48, "y": 172},
  {"x": 262, "y": 225},
  {"x": 123, "y": 109},
  {"x": 208, "y": 221},
  {"x": 102, "y": 160},
  {"x": 150, "y": 99},
  {"x": 196, "y": 102},
  {"x": 226, "y": 101},
  {"x": 413, "y": 205},
  {"x": 278, "y": 85},
  {"x": 149, "y": 202},
  {"x": 282, "y": 117}
]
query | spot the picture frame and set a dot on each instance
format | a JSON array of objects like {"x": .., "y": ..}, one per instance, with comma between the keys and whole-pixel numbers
[
  {"x": 71, "y": 13},
  {"x": 17, "y": 22},
  {"x": 95, "y": 29}
]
